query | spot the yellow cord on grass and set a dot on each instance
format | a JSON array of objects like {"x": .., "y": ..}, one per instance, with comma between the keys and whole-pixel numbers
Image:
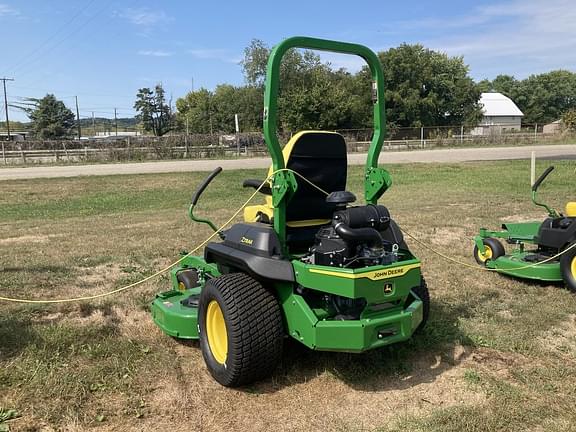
[
  {"x": 476, "y": 267},
  {"x": 165, "y": 269}
]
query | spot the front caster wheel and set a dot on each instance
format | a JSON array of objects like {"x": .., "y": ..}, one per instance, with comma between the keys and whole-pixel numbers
[{"x": 493, "y": 249}]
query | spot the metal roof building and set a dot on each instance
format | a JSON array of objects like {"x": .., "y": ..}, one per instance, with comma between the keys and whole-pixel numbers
[{"x": 500, "y": 114}]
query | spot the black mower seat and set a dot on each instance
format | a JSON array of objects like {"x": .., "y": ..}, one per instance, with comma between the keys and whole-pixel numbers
[{"x": 321, "y": 158}]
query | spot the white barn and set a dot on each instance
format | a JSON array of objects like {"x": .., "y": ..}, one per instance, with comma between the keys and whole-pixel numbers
[{"x": 500, "y": 115}]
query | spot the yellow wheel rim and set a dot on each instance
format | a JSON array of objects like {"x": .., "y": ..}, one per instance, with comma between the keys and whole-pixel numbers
[
  {"x": 573, "y": 267},
  {"x": 181, "y": 286},
  {"x": 216, "y": 332},
  {"x": 486, "y": 255}
]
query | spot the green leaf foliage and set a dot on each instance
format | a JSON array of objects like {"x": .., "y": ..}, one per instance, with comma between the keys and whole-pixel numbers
[
  {"x": 153, "y": 111},
  {"x": 428, "y": 88},
  {"x": 49, "y": 117},
  {"x": 423, "y": 87}
]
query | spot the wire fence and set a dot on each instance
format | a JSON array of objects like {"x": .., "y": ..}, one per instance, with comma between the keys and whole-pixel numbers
[{"x": 112, "y": 148}]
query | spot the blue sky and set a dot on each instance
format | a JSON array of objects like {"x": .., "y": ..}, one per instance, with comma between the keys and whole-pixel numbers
[{"x": 104, "y": 50}]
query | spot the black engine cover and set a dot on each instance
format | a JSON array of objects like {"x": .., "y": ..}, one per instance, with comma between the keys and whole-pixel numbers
[
  {"x": 253, "y": 248},
  {"x": 557, "y": 232},
  {"x": 330, "y": 249}
]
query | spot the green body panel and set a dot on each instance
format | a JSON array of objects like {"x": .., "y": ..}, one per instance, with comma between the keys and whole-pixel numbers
[
  {"x": 377, "y": 181},
  {"x": 514, "y": 265},
  {"x": 362, "y": 335},
  {"x": 525, "y": 231},
  {"x": 172, "y": 317},
  {"x": 383, "y": 312},
  {"x": 350, "y": 335},
  {"x": 324, "y": 279}
]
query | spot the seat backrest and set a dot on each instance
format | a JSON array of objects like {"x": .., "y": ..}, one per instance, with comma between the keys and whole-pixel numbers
[{"x": 321, "y": 158}]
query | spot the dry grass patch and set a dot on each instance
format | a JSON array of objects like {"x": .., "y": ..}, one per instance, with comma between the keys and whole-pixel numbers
[{"x": 497, "y": 354}]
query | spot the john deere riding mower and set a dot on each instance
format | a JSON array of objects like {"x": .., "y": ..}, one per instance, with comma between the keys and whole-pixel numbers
[
  {"x": 306, "y": 264},
  {"x": 543, "y": 251}
]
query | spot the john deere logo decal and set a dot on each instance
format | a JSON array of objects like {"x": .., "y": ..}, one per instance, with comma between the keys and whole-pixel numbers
[
  {"x": 388, "y": 273},
  {"x": 388, "y": 288}
]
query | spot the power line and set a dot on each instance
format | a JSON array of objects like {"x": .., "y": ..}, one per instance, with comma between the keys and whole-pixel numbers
[
  {"x": 78, "y": 119},
  {"x": 82, "y": 25},
  {"x": 52, "y": 36}
]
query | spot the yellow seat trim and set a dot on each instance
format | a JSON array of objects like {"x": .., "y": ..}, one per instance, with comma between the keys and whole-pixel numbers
[
  {"x": 251, "y": 212},
  {"x": 570, "y": 209}
]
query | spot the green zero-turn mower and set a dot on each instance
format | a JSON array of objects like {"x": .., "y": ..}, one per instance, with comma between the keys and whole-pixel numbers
[
  {"x": 551, "y": 255},
  {"x": 305, "y": 264}
]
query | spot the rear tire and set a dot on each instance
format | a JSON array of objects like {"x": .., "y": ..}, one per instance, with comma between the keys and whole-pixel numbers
[
  {"x": 241, "y": 329},
  {"x": 568, "y": 268},
  {"x": 424, "y": 295},
  {"x": 494, "y": 250}
]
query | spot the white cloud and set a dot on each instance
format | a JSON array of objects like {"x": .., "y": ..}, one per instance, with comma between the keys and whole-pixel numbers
[
  {"x": 155, "y": 53},
  {"x": 517, "y": 37},
  {"x": 352, "y": 63},
  {"x": 7, "y": 10},
  {"x": 144, "y": 17},
  {"x": 215, "y": 54}
]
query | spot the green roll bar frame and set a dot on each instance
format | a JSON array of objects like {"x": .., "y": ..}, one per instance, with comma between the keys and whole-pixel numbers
[{"x": 377, "y": 180}]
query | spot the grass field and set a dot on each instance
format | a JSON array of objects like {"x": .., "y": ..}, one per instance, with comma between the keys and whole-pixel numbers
[{"x": 497, "y": 354}]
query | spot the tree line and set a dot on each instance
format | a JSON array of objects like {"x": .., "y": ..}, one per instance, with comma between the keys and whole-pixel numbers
[{"x": 423, "y": 87}]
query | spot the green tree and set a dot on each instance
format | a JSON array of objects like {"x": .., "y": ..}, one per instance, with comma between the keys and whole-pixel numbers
[
  {"x": 428, "y": 88},
  {"x": 505, "y": 84},
  {"x": 569, "y": 119},
  {"x": 545, "y": 97},
  {"x": 204, "y": 111},
  {"x": 153, "y": 111},
  {"x": 49, "y": 117},
  {"x": 195, "y": 111},
  {"x": 485, "y": 85},
  {"x": 246, "y": 101},
  {"x": 311, "y": 94}
]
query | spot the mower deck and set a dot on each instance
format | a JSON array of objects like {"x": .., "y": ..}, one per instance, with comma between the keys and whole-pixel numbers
[{"x": 515, "y": 265}]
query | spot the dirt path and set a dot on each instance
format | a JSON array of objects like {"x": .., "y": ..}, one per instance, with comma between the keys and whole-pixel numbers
[{"x": 425, "y": 156}]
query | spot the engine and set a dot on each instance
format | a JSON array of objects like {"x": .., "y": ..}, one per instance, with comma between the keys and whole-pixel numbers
[{"x": 355, "y": 239}]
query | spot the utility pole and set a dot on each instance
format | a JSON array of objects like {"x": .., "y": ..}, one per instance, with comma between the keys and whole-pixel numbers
[
  {"x": 6, "y": 104},
  {"x": 93, "y": 125},
  {"x": 210, "y": 113},
  {"x": 115, "y": 122},
  {"x": 78, "y": 119}
]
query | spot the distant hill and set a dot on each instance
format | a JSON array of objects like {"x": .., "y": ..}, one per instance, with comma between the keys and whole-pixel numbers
[
  {"x": 89, "y": 127},
  {"x": 101, "y": 122}
]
